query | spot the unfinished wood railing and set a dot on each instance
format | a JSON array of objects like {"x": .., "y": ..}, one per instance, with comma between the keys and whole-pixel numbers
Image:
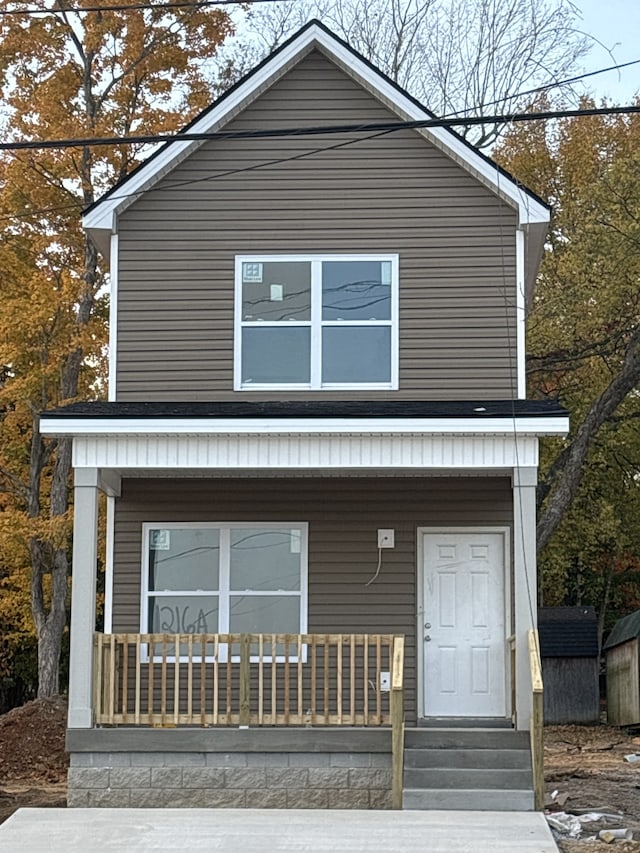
[
  {"x": 247, "y": 679},
  {"x": 537, "y": 720},
  {"x": 397, "y": 723}
]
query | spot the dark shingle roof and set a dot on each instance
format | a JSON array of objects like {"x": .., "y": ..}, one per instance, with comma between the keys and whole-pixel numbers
[
  {"x": 315, "y": 409},
  {"x": 568, "y": 632},
  {"x": 627, "y": 628}
]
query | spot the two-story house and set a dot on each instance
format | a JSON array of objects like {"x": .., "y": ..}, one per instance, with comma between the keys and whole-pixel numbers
[{"x": 319, "y": 461}]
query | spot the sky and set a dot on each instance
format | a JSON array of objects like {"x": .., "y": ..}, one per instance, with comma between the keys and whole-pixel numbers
[{"x": 615, "y": 23}]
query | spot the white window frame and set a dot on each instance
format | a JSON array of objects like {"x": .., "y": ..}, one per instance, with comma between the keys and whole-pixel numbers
[
  {"x": 316, "y": 323},
  {"x": 224, "y": 592}
]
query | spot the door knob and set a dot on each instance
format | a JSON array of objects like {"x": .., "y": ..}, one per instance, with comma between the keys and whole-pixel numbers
[{"x": 427, "y": 638}]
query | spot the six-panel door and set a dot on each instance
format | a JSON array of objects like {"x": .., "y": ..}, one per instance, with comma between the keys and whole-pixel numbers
[{"x": 463, "y": 631}]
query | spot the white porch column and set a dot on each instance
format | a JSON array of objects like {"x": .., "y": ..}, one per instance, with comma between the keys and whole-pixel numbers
[
  {"x": 83, "y": 598},
  {"x": 524, "y": 584}
]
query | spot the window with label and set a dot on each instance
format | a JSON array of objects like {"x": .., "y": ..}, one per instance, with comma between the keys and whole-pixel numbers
[
  {"x": 224, "y": 578},
  {"x": 310, "y": 321}
]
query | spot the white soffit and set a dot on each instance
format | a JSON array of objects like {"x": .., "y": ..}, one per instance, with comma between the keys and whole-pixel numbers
[
  {"x": 281, "y": 453},
  {"x": 102, "y": 217}
]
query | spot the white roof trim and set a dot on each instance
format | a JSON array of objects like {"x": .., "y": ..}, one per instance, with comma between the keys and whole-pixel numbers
[
  {"x": 104, "y": 215},
  {"x": 305, "y": 426}
]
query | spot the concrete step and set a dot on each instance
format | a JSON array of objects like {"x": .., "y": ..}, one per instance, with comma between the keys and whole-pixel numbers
[
  {"x": 431, "y": 738},
  {"x": 473, "y": 759},
  {"x": 469, "y": 800},
  {"x": 465, "y": 722},
  {"x": 447, "y": 778}
]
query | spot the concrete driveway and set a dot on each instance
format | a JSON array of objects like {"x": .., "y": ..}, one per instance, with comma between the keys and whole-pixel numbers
[{"x": 273, "y": 831}]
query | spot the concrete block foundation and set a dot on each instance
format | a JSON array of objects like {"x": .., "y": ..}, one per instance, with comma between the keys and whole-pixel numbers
[{"x": 319, "y": 769}]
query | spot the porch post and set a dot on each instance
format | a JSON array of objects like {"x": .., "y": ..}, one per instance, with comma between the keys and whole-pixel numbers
[
  {"x": 524, "y": 585},
  {"x": 83, "y": 597}
]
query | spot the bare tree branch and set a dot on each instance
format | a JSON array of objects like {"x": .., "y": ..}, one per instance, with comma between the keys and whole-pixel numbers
[{"x": 566, "y": 473}]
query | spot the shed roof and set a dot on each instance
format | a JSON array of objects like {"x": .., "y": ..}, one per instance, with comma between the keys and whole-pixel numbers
[
  {"x": 625, "y": 629},
  {"x": 568, "y": 632}
]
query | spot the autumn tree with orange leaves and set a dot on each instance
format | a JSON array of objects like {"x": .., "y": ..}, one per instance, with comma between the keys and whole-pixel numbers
[
  {"x": 66, "y": 74},
  {"x": 584, "y": 351}
]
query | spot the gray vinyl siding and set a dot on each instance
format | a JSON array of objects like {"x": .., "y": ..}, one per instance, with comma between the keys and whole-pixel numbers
[
  {"x": 393, "y": 193},
  {"x": 343, "y": 517}
]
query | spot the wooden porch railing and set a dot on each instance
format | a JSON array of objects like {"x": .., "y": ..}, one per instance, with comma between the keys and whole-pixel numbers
[
  {"x": 397, "y": 723},
  {"x": 252, "y": 680},
  {"x": 235, "y": 679},
  {"x": 537, "y": 720}
]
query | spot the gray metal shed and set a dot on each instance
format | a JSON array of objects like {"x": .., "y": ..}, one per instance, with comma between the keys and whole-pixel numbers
[
  {"x": 570, "y": 666},
  {"x": 623, "y": 671}
]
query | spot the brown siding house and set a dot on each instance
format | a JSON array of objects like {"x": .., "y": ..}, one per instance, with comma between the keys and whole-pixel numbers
[{"x": 319, "y": 460}]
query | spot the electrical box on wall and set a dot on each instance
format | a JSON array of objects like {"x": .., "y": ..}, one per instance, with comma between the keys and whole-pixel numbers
[{"x": 386, "y": 538}]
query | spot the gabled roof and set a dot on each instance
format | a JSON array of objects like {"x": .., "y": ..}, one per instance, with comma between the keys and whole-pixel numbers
[
  {"x": 100, "y": 220},
  {"x": 570, "y": 632},
  {"x": 625, "y": 629}
]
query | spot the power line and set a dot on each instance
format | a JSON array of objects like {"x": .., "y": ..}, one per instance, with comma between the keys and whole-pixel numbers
[
  {"x": 171, "y": 4},
  {"x": 545, "y": 86},
  {"x": 188, "y": 181},
  {"x": 316, "y": 130},
  {"x": 299, "y": 156}
]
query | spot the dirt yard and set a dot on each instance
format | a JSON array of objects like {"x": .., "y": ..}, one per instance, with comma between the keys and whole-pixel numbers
[
  {"x": 585, "y": 765},
  {"x": 33, "y": 763}
]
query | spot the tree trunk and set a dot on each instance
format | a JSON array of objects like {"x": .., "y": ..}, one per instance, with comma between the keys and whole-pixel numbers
[
  {"x": 567, "y": 471},
  {"x": 605, "y": 603}
]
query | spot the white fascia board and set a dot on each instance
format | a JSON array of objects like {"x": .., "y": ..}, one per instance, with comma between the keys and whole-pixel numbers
[
  {"x": 305, "y": 426},
  {"x": 113, "y": 317},
  {"x": 521, "y": 315},
  {"x": 103, "y": 215},
  {"x": 529, "y": 209}
]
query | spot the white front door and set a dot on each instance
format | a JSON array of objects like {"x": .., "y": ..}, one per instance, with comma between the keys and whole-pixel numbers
[{"x": 463, "y": 630}]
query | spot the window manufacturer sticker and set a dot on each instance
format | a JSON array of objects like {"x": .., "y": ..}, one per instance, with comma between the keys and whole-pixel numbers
[
  {"x": 159, "y": 540},
  {"x": 251, "y": 273},
  {"x": 385, "y": 272}
]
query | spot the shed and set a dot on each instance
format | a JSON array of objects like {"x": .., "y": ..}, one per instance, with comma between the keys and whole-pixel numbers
[
  {"x": 623, "y": 671},
  {"x": 570, "y": 666}
]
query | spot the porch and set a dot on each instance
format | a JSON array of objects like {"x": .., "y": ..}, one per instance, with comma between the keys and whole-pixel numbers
[
  {"x": 430, "y": 481},
  {"x": 316, "y": 719}
]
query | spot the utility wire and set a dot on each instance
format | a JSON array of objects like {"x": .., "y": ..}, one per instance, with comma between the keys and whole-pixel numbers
[
  {"x": 188, "y": 181},
  {"x": 545, "y": 86},
  {"x": 171, "y": 4},
  {"x": 319, "y": 150},
  {"x": 316, "y": 130}
]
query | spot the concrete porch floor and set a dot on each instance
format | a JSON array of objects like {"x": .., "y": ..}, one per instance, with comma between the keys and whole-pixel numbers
[{"x": 257, "y": 831}]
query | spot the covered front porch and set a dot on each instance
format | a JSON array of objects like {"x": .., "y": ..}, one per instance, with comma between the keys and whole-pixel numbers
[{"x": 334, "y": 490}]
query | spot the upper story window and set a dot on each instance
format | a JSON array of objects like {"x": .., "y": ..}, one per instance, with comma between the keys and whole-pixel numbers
[{"x": 316, "y": 322}]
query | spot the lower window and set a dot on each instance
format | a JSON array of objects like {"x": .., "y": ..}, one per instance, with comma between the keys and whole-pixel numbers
[{"x": 224, "y": 578}]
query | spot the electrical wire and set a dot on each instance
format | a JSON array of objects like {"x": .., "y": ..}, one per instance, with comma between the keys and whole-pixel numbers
[
  {"x": 576, "y": 79},
  {"x": 375, "y": 577},
  {"x": 314, "y": 130},
  {"x": 299, "y": 131},
  {"x": 133, "y": 7}
]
